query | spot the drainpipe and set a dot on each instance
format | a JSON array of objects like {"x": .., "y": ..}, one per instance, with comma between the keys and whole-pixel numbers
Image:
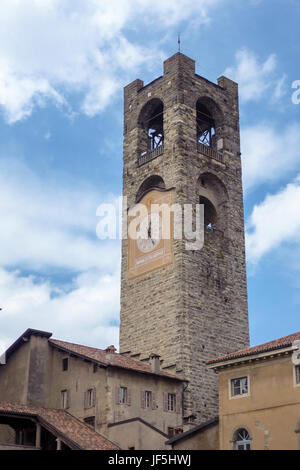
[{"x": 184, "y": 388}]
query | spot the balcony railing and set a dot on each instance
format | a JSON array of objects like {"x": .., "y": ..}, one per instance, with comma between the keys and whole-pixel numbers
[
  {"x": 205, "y": 150},
  {"x": 150, "y": 155},
  {"x": 209, "y": 152}
]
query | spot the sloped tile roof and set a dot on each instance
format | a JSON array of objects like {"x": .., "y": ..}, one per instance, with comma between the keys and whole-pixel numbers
[
  {"x": 274, "y": 345},
  {"x": 76, "y": 433},
  {"x": 113, "y": 360},
  {"x": 196, "y": 429}
]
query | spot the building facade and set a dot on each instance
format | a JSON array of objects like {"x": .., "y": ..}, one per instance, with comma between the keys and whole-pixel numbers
[
  {"x": 182, "y": 146},
  {"x": 259, "y": 396},
  {"x": 99, "y": 387}
]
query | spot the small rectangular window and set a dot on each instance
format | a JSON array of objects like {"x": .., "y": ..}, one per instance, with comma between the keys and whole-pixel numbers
[
  {"x": 95, "y": 368},
  {"x": 239, "y": 386},
  {"x": 171, "y": 402},
  {"x": 298, "y": 375},
  {"x": 123, "y": 395},
  {"x": 90, "y": 398},
  {"x": 65, "y": 363},
  {"x": 64, "y": 399},
  {"x": 148, "y": 399},
  {"x": 170, "y": 432}
]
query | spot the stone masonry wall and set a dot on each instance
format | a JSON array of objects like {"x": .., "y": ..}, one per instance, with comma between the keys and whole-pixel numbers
[{"x": 195, "y": 309}]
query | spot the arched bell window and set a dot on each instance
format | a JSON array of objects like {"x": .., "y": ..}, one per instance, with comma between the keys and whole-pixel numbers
[
  {"x": 205, "y": 125},
  {"x": 210, "y": 213},
  {"x": 156, "y": 129},
  {"x": 213, "y": 197},
  {"x": 242, "y": 440},
  {"x": 151, "y": 124}
]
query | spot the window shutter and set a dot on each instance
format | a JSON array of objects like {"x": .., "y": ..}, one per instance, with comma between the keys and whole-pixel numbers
[
  {"x": 143, "y": 404},
  {"x": 94, "y": 397},
  {"x": 178, "y": 403},
  {"x": 68, "y": 399},
  {"x": 85, "y": 399},
  {"x": 153, "y": 401},
  {"x": 128, "y": 397},
  {"x": 117, "y": 395},
  {"x": 165, "y": 398}
]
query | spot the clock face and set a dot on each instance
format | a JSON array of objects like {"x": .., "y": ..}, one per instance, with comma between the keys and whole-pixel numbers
[
  {"x": 151, "y": 237},
  {"x": 150, "y": 250}
]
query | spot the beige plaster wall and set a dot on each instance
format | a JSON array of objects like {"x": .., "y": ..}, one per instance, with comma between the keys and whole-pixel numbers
[
  {"x": 138, "y": 436},
  {"x": 80, "y": 377},
  {"x": 14, "y": 376},
  {"x": 271, "y": 411}
]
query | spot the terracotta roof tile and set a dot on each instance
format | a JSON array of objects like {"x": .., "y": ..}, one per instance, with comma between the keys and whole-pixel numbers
[
  {"x": 64, "y": 425},
  {"x": 280, "y": 343},
  {"x": 109, "y": 359}
]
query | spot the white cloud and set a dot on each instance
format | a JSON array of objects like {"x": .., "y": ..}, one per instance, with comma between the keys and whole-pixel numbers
[
  {"x": 280, "y": 88},
  {"x": 273, "y": 222},
  {"x": 58, "y": 47},
  {"x": 254, "y": 77},
  {"x": 19, "y": 95},
  {"x": 87, "y": 313},
  {"x": 50, "y": 224},
  {"x": 4, "y": 343},
  {"x": 50, "y": 227},
  {"x": 269, "y": 153}
]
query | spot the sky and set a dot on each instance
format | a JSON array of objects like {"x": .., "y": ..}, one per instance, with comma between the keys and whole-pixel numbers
[{"x": 63, "y": 66}]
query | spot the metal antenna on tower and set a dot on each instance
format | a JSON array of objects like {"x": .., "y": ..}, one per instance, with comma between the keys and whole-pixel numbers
[{"x": 179, "y": 42}]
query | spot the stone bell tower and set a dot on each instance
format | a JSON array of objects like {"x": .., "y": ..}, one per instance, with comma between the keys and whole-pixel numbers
[{"x": 182, "y": 144}]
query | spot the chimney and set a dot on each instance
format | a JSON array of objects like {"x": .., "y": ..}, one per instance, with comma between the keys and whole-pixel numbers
[
  {"x": 189, "y": 422},
  {"x": 110, "y": 351},
  {"x": 155, "y": 363}
]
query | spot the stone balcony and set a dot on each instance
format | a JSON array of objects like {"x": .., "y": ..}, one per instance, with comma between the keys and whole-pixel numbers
[
  {"x": 146, "y": 157},
  {"x": 209, "y": 152}
]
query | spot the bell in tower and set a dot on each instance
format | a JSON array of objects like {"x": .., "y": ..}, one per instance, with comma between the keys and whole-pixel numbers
[{"x": 182, "y": 147}]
